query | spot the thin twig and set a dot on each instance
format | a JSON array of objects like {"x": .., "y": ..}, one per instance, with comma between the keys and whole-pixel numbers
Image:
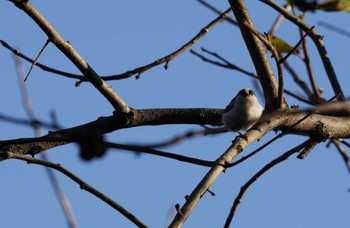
[
  {"x": 83, "y": 185},
  {"x": 68, "y": 50},
  {"x": 278, "y": 20},
  {"x": 176, "y": 139},
  {"x": 212, "y": 8},
  {"x": 301, "y": 83},
  {"x": 296, "y": 96},
  {"x": 253, "y": 179},
  {"x": 36, "y": 59},
  {"x": 334, "y": 28},
  {"x": 141, "y": 149},
  {"x": 26, "y": 122},
  {"x": 344, "y": 142},
  {"x": 62, "y": 199},
  {"x": 342, "y": 153},
  {"x": 227, "y": 64},
  {"x": 139, "y": 70},
  {"x": 307, "y": 150},
  {"x": 307, "y": 62},
  {"x": 301, "y": 41},
  {"x": 318, "y": 40},
  {"x": 42, "y": 66}
]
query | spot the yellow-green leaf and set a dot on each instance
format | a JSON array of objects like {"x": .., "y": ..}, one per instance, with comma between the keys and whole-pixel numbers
[
  {"x": 281, "y": 45},
  {"x": 334, "y": 5}
]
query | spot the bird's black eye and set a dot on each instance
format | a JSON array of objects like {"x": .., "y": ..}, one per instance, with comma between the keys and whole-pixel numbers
[{"x": 251, "y": 92}]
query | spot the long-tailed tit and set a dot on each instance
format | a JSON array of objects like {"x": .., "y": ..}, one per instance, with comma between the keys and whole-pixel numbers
[{"x": 242, "y": 112}]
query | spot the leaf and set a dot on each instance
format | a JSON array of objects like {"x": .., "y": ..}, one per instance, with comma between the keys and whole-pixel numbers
[
  {"x": 281, "y": 46},
  {"x": 334, "y": 5}
]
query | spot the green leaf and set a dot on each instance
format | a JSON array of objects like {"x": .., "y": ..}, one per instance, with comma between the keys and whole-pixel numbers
[{"x": 334, "y": 5}]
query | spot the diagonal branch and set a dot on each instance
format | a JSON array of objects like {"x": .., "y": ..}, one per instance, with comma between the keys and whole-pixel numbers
[
  {"x": 83, "y": 185},
  {"x": 66, "y": 48},
  {"x": 258, "y": 55},
  {"x": 267, "y": 167},
  {"x": 237, "y": 146}
]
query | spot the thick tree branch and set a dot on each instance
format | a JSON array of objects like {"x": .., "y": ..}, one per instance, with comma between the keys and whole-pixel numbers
[
  {"x": 317, "y": 124},
  {"x": 258, "y": 55},
  {"x": 103, "y": 125}
]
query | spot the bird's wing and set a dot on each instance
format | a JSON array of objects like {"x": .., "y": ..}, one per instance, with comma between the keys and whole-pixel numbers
[{"x": 230, "y": 105}]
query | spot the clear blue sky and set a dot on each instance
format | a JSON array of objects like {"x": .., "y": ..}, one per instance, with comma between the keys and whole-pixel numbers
[{"x": 117, "y": 36}]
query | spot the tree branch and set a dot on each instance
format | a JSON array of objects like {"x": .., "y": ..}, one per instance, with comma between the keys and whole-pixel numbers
[
  {"x": 318, "y": 40},
  {"x": 257, "y": 54},
  {"x": 104, "y": 125},
  {"x": 83, "y": 185},
  {"x": 137, "y": 71},
  {"x": 146, "y": 150},
  {"x": 66, "y": 48},
  {"x": 245, "y": 187},
  {"x": 237, "y": 146}
]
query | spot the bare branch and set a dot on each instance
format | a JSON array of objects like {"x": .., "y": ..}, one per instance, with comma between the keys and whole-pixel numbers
[
  {"x": 226, "y": 64},
  {"x": 257, "y": 54},
  {"x": 36, "y": 59},
  {"x": 342, "y": 153},
  {"x": 212, "y": 8},
  {"x": 334, "y": 28},
  {"x": 307, "y": 62},
  {"x": 62, "y": 199},
  {"x": 147, "y": 150},
  {"x": 83, "y": 185},
  {"x": 237, "y": 146},
  {"x": 280, "y": 99},
  {"x": 103, "y": 125},
  {"x": 139, "y": 70},
  {"x": 66, "y": 48},
  {"x": 267, "y": 167},
  {"x": 29, "y": 123},
  {"x": 318, "y": 40},
  {"x": 177, "y": 139}
]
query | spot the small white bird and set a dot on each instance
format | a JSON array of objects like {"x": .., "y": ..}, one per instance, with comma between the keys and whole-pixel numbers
[{"x": 242, "y": 112}]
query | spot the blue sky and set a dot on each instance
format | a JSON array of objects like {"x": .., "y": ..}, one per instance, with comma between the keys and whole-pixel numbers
[{"x": 115, "y": 37}]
